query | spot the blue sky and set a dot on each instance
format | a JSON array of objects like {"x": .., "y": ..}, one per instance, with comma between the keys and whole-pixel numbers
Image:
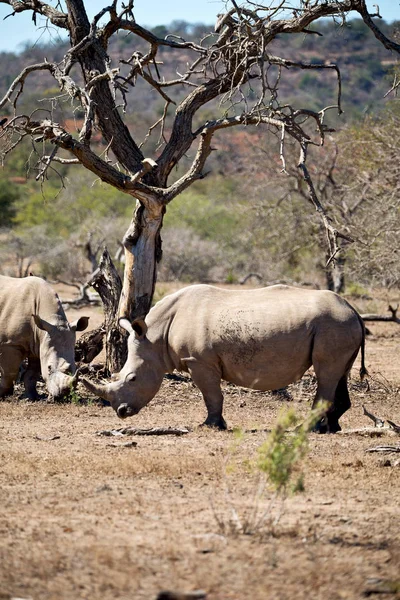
[{"x": 20, "y": 29}]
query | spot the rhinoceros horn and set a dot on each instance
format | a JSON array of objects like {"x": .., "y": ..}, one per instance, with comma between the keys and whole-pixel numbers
[
  {"x": 96, "y": 388},
  {"x": 74, "y": 379}
]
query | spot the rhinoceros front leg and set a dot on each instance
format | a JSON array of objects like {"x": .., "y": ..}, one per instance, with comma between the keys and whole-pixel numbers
[
  {"x": 208, "y": 380},
  {"x": 30, "y": 378},
  {"x": 10, "y": 360}
]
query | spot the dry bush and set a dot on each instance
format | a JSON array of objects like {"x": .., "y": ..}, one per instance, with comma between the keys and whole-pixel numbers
[{"x": 190, "y": 258}]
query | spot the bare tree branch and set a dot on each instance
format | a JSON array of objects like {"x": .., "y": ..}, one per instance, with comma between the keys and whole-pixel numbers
[{"x": 233, "y": 72}]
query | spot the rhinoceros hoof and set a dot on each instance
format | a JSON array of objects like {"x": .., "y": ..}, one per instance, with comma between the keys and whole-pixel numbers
[
  {"x": 217, "y": 423},
  {"x": 324, "y": 426}
]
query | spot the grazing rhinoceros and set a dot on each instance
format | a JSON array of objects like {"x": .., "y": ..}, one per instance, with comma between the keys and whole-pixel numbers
[
  {"x": 262, "y": 339},
  {"x": 33, "y": 325}
]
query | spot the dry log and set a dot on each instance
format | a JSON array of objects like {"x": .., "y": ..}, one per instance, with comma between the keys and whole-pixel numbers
[
  {"x": 195, "y": 595},
  {"x": 368, "y": 431},
  {"x": 383, "y": 449},
  {"x": 388, "y": 318},
  {"x": 135, "y": 431}
]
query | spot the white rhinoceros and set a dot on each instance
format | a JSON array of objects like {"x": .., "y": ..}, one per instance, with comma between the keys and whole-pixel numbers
[
  {"x": 33, "y": 325},
  {"x": 262, "y": 339}
]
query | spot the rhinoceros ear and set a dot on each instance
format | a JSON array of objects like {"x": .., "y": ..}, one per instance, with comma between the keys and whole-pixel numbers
[
  {"x": 125, "y": 324},
  {"x": 42, "y": 324},
  {"x": 80, "y": 324},
  {"x": 138, "y": 327}
]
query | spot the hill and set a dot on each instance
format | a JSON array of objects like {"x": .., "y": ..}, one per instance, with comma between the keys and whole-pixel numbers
[
  {"x": 366, "y": 66},
  {"x": 245, "y": 216}
]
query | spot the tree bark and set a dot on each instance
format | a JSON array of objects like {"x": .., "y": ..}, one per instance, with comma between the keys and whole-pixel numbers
[
  {"x": 107, "y": 283},
  {"x": 142, "y": 243}
]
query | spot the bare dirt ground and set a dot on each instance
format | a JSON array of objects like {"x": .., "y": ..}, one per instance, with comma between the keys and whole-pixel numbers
[{"x": 85, "y": 516}]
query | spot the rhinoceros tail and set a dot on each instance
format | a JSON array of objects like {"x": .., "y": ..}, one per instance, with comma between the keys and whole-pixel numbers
[{"x": 363, "y": 369}]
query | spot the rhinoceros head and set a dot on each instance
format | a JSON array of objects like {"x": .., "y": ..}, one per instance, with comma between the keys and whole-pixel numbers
[
  {"x": 57, "y": 349},
  {"x": 140, "y": 378}
]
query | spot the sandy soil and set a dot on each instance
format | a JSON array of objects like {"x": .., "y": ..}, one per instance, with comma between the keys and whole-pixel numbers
[{"x": 88, "y": 516}]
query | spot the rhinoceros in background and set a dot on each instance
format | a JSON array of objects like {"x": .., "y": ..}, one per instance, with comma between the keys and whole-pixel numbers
[
  {"x": 33, "y": 325},
  {"x": 263, "y": 339}
]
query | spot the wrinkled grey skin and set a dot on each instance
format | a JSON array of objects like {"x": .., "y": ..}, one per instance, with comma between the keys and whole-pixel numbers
[
  {"x": 33, "y": 325},
  {"x": 263, "y": 339}
]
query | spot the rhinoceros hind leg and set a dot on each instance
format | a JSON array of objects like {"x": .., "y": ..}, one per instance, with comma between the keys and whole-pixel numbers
[
  {"x": 326, "y": 396},
  {"x": 321, "y": 426},
  {"x": 219, "y": 424},
  {"x": 340, "y": 405},
  {"x": 11, "y": 359}
]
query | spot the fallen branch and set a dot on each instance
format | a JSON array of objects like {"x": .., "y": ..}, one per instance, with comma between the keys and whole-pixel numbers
[
  {"x": 125, "y": 445},
  {"x": 393, "y": 426},
  {"x": 249, "y": 276},
  {"x": 369, "y": 431},
  {"x": 381, "y": 586},
  {"x": 383, "y": 449},
  {"x": 84, "y": 297},
  {"x": 388, "y": 318},
  {"x": 195, "y": 595},
  {"x": 378, "y": 422},
  {"x": 152, "y": 431}
]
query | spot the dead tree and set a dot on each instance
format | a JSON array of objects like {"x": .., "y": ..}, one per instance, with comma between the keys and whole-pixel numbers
[
  {"x": 218, "y": 71},
  {"x": 107, "y": 282}
]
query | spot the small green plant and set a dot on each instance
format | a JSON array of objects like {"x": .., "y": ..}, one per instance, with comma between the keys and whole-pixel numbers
[
  {"x": 73, "y": 396},
  {"x": 231, "y": 278},
  {"x": 278, "y": 464},
  {"x": 279, "y": 456}
]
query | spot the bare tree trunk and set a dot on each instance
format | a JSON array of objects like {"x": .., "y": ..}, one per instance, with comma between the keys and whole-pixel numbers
[
  {"x": 107, "y": 283},
  {"x": 133, "y": 298},
  {"x": 142, "y": 243}
]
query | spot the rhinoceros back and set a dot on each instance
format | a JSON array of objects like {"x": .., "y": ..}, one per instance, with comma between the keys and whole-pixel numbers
[
  {"x": 262, "y": 338},
  {"x": 19, "y": 300}
]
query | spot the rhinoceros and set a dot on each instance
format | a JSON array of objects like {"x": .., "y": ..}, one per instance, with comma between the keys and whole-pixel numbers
[
  {"x": 262, "y": 339},
  {"x": 33, "y": 325}
]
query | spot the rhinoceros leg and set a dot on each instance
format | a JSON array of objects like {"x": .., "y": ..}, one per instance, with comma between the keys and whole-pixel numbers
[
  {"x": 340, "y": 405},
  {"x": 325, "y": 395},
  {"x": 208, "y": 380},
  {"x": 30, "y": 378},
  {"x": 11, "y": 359},
  {"x": 331, "y": 369},
  {"x": 337, "y": 406},
  {"x": 328, "y": 381}
]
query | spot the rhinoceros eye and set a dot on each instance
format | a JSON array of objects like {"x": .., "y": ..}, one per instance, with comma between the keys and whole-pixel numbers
[{"x": 130, "y": 377}]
